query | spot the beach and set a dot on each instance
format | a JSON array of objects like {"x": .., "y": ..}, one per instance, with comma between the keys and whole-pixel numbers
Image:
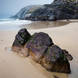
[{"x": 13, "y": 65}]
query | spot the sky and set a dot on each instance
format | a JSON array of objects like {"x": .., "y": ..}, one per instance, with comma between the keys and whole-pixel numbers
[{"x": 11, "y": 7}]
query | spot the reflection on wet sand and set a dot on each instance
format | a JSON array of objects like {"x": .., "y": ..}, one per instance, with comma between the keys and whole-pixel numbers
[{"x": 47, "y": 24}]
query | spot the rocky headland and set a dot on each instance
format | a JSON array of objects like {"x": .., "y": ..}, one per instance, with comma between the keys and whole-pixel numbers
[{"x": 57, "y": 10}]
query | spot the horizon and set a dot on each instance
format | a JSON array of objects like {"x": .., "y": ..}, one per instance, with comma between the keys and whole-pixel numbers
[{"x": 10, "y": 7}]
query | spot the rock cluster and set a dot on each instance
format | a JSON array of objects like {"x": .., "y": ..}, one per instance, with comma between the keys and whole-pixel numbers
[{"x": 42, "y": 50}]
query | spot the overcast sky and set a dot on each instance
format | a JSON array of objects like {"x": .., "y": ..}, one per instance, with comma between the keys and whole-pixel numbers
[{"x": 10, "y": 7}]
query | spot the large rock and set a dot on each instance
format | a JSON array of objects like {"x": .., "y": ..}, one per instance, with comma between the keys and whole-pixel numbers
[
  {"x": 20, "y": 40},
  {"x": 42, "y": 50},
  {"x": 38, "y": 45},
  {"x": 55, "y": 60}
]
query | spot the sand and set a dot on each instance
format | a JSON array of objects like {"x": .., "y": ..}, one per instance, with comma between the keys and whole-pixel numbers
[{"x": 13, "y": 65}]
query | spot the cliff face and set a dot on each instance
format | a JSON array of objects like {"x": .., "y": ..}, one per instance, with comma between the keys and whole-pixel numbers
[
  {"x": 26, "y": 11},
  {"x": 58, "y": 10}
]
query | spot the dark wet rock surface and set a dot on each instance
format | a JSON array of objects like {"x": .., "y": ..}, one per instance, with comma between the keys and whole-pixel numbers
[
  {"x": 39, "y": 43},
  {"x": 21, "y": 38},
  {"x": 40, "y": 39},
  {"x": 68, "y": 56},
  {"x": 42, "y": 50},
  {"x": 55, "y": 60}
]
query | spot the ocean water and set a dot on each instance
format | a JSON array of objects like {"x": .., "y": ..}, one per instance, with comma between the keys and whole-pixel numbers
[
  {"x": 16, "y": 24},
  {"x": 12, "y": 24}
]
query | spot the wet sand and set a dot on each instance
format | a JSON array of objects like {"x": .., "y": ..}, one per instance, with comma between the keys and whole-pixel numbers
[
  {"x": 48, "y": 24},
  {"x": 13, "y": 65}
]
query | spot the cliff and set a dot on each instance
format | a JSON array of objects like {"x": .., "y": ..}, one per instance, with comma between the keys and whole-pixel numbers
[{"x": 57, "y": 10}]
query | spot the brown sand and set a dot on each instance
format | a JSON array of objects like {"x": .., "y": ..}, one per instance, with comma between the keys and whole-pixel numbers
[{"x": 13, "y": 65}]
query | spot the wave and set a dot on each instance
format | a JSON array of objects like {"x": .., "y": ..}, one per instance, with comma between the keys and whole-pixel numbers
[
  {"x": 15, "y": 21},
  {"x": 11, "y": 24}
]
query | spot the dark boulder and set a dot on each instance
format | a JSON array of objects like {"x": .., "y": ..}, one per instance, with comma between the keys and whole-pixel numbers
[
  {"x": 38, "y": 45},
  {"x": 55, "y": 60},
  {"x": 22, "y": 37},
  {"x": 20, "y": 40}
]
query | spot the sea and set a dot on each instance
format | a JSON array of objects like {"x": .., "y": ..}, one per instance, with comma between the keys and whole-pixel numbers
[
  {"x": 12, "y": 24},
  {"x": 16, "y": 24}
]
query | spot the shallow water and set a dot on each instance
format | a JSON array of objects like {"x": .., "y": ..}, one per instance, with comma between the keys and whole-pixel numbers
[
  {"x": 46, "y": 24},
  {"x": 12, "y": 24},
  {"x": 9, "y": 24}
]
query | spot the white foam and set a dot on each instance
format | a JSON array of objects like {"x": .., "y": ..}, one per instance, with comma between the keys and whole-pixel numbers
[
  {"x": 17, "y": 21},
  {"x": 11, "y": 24}
]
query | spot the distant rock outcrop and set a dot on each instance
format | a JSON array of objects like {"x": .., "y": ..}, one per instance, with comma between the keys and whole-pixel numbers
[
  {"x": 42, "y": 50},
  {"x": 26, "y": 11},
  {"x": 57, "y": 10}
]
